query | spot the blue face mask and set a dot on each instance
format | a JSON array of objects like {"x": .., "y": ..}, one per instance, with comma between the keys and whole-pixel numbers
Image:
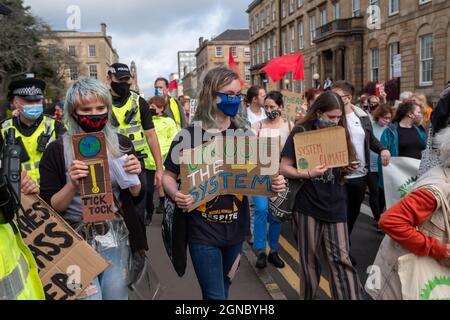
[
  {"x": 229, "y": 106},
  {"x": 158, "y": 92},
  {"x": 33, "y": 111}
]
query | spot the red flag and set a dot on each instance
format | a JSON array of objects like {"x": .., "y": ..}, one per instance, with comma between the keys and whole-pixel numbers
[
  {"x": 233, "y": 66},
  {"x": 173, "y": 85},
  {"x": 278, "y": 67}
]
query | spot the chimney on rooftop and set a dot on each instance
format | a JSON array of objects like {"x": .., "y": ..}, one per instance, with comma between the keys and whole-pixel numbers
[{"x": 103, "y": 25}]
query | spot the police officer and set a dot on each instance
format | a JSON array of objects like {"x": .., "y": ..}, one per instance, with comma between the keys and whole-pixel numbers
[
  {"x": 33, "y": 129},
  {"x": 134, "y": 120},
  {"x": 173, "y": 107}
]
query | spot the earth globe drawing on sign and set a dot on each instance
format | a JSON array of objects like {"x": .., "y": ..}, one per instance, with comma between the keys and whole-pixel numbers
[{"x": 90, "y": 147}]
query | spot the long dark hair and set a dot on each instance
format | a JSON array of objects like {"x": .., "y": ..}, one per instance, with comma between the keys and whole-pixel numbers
[
  {"x": 328, "y": 101},
  {"x": 403, "y": 110}
]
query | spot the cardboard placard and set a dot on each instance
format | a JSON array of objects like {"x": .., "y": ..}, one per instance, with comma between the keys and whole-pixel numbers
[
  {"x": 326, "y": 147},
  {"x": 96, "y": 191},
  {"x": 192, "y": 109},
  {"x": 293, "y": 103},
  {"x": 231, "y": 165},
  {"x": 67, "y": 264}
]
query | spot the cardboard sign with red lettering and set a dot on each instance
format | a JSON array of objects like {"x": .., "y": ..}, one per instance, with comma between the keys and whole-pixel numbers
[
  {"x": 66, "y": 263},
  {"x": 326, "y": 147},
  {"x": 231, "y": 165},
  {"x": 96, "y": 191}
]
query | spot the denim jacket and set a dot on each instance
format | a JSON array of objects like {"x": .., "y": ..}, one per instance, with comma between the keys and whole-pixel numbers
[{"x": 389, "y": 139}]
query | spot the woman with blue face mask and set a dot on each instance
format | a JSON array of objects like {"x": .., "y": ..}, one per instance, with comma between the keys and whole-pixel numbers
[
  {"x": 273, "y": 126},
  {"x": 217, "y": 229}
]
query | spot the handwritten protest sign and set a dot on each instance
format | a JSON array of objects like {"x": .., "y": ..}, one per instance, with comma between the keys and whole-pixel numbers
[
  {"x": 192, "y": 109},
  {"x": 96, "y": 190},
  {"x": 66, "y": 263},
  {"x": 231, "y": 165},
  {"x": 326, "y": 147},
  {"x": 293, "y": 103}
]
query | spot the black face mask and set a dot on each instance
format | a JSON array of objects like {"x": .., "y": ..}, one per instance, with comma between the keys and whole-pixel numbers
[
  {"x": 91, "y": 123},
  {"x": 122, "y": 89}
]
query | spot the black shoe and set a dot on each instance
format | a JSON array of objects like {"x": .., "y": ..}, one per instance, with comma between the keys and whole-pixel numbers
[
  {"x": 160, "y": 208},
  {"x": 275, "y": 259},
  {"x": 261, "y": 262}
]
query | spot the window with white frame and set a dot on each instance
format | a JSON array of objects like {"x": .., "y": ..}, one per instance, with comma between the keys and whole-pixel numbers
[
  {"x": 274, "y": 45},
  {"x": 219, "y": 52},
  {"x": 424, "y": 1},
  {"x": 258, "y": 54},
  {"x": 268, "y": 16},
  {"x": 72, "y": 51},
  {"x": 337, "y": 10},
  {"x": 300, "y": 35},
  {"x": 302, "y": 86},
  {"x": 292, "y": 30},
  {"x": 313, "y": 27},
  {"x": 356, "y": 8},
  {"x": 73, "y": 72},
  {"x": 374, "y": 64},
  {"x": 269, "y": 49},
  {"x": 274, "y": 11},
  {"x": 262, "y": 19},
  {"x": 93, "y": 71},
  {"x": 323, "y": 17},
  {"x": 257, "y": 23},
  {"x": 291, "y": 6},
  {"x": 426, "y": 60},
  {"x": 263, "y": 49},
  {"x": 284, "y": 40},
  {"x": 234, "y": 52},
  {"x": 394, "y": 49},
  {"x": 283, "y": 9},
  {"x": 394, "y": 7},
  {"x": 92, "y": 51},
  {"x": 248, "y": 75},
  {"x": 299, "y": 3},
  {"x": 247, "y": 52}
]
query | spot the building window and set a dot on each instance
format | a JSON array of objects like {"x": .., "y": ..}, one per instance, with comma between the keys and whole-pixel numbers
[
  {"x": 257, "y": 23},
  {"x": 356, "y": 8},
  {"x": 374, "y": 64},
  {"x": 248, "y": 75},
  {"x": 291, "y": 6},
  {"x": 263, "y": 45},
  {"x": 426, "y": 60},
  {"x": 262, "y": 18},
  {"x": 323, "y": 17},
  {"x": 234, "y": 52},
  {"x": 268, "y": 16},
  {"x": 302, "y": 86},
  {"x": 274, "y": 42},
  {"x": 394, "y": 49},
  {"x": 299, "y": 3},
  {"x": 72, "y": 51},
  {"x": 92, "y": 51},
  {"x": 337, "y": 11},
  {"x": 292, "y": 29},
  {"x": 394, "y": 7},
  {"x": 313, "y": 72},
  {"x": 247, "y": 52},
  {"x": 269, "y": 49},
  {"x": 424, "y": 1},
  {"x": 73, "y": 72},
  {"x": 300, "y": 35},
  {"x": 284, "y": 43},
  {"x": 258, "y": 54},
  {"x": 274, "y": 11},
  {"x": 313, "y": 26},
  {"x": 219, "y": 52},
  {"x": 283, "y": 9},
  {"x": 93, "y": 71}
]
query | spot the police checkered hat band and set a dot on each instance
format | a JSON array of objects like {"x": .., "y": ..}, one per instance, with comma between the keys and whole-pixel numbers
[{"x": 28, "y": 91}]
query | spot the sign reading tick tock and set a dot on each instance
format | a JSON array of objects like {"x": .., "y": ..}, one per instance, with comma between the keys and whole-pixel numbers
[{"x": 96, "y": 190}]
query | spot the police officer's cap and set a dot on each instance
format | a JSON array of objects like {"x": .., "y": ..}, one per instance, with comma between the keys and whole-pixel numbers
[
  {"x": 119, "y": 70},
  {"x": 28, "y": 89}
]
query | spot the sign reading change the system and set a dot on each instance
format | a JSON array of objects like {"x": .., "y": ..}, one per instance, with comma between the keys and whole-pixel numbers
[
  {"x": 326, "y": 147},
  {"x": 231, "y": 165},
  {"x": 96, "y": 190}
]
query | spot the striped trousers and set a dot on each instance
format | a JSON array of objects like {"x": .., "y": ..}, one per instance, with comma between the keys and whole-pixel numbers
[{"x": 313, "y": 238}]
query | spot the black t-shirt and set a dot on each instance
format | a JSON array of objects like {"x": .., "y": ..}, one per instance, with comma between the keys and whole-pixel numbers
[
  {"x": 323, "y": 198},
  {"x": 146, "y": 116},
  {"x": 224, "y": 221},
  {"x": 409, "y": 144}
]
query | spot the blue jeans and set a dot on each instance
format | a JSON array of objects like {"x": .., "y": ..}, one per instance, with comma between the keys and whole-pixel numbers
[
  {"x": 215, "y": 268},
  {"x": 112, "y": 284},
  {"x": 262, "y": 216}
]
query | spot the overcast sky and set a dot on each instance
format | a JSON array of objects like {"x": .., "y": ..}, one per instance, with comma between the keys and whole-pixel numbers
[{"x": 150, "y": 32}]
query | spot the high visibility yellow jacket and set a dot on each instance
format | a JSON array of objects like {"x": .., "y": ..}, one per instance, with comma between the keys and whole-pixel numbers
[
  {"x": 166, "y": 130},
  {"x": 19, "y": 277}
]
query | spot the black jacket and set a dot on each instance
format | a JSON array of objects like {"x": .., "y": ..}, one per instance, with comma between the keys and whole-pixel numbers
[{"x": 440, "y": 115}]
